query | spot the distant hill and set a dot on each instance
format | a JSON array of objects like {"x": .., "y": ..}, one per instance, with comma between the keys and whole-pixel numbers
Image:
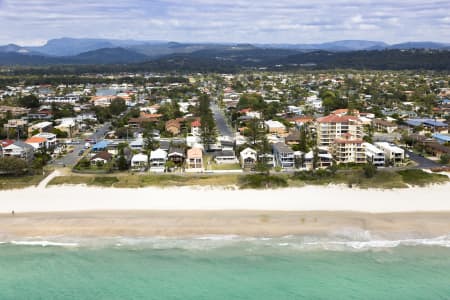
[{"x": 419, "y": 45}]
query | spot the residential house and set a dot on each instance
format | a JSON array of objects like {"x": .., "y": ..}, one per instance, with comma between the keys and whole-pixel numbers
[
  {"x": 293, "y": 138},
  {"x": 158, "y": 160},
  {"x": 374, "y": 155},
  {"x": 323, "y": 160},
  {"x": 176, "y": 154},
  {"x": 225, "y": 157},
  {"x": 3, "y": 144},
  {"x": 50, "y": 139},
  {"x": 428, "y": 125},
  {"x": 194, "y": 161},
  {"x": 68, "y": 125},
  {"x": 436, "y": 149},
  {"x": 195, "y": 128},
  {"x": 102, "y": 158},
  {"x": 18, "y": 125},
  {"x": 19, "y": 149},
  {"x": 284, "y": 156},
  {"x": 441, "y": 138},
  {"x": 40, "y": 127},
  {"x": 38, "y": 143},
  {"x": 248, "y": 158},
  {"x": 139, "y": 162},
  {"x": 393, "y": 154},
  {"x": 275, "y": 127},
  {"x": 348, "y": 149},
  {"x": 173, "y": 127},
  {"x": 384, "y": 126}
]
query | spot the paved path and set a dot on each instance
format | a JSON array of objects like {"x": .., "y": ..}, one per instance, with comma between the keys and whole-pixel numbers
[{"x": 43, "y": 184}]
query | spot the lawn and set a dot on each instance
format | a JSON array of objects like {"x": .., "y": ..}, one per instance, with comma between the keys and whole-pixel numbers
[{"x": 9, "y": 183}]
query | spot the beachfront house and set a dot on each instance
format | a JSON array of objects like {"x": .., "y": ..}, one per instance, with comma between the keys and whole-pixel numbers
[
  {"x": 225, "y": 157},
  {"x": 284, "y": 156},
  {"x": 139, "y": 162},
  {"x": 158, "y": 160},
  {"x": 176, "y": 155},
  {"x": 38, "y": 143},
  {"x": 50, "y": 142},
  {"x": 194, "y": 161},
  {"x": 248, "y": 158},
  {"x": 324, "y": 159}
]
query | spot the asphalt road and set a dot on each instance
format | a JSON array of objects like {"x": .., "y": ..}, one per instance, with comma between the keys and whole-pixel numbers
[
  {"x": 422, "y": 162},
  {"x": 72, "y": 158},
  {"x": 221, "y": 124}
]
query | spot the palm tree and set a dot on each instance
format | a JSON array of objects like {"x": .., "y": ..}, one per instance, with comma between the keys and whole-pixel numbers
[{"x": 150, "y": 145}]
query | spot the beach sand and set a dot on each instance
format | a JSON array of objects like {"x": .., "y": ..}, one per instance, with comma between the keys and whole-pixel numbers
[
  {"x": 205, "y": 223},
  {"x": 80, "y": 211}
]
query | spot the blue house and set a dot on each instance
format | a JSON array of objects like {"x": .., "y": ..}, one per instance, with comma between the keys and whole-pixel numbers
[
  {"x": 101, "y": 146},
  {"x": 441, "y": 138}
]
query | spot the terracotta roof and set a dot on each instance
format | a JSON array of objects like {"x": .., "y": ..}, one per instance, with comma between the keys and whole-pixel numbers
[
  {"x": 36, "y": 139},
  {"x": 196, "y": 123},
  {"x": 336, "y": 119},
  {"x": 6, "y": 143}
]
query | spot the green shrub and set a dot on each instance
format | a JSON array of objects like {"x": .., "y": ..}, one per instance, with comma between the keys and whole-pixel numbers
[{"x": 259, "y": 181}]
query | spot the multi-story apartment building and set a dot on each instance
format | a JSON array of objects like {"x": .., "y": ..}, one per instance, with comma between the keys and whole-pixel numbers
[
  {"x": 331, "y": 127},
  {"x": 374, "y": 155},
  {"x": 395, "y": 155},
  {"x": 348, "y": 149}
]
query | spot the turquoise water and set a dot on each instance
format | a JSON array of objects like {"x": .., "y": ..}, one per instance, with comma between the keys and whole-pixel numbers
[{"x": 201, "y": 269}]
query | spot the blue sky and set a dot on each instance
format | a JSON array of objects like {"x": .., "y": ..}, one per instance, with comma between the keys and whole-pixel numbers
[{"x": 32, "y": 22}]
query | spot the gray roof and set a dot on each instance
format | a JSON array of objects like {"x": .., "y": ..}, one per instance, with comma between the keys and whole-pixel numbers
[{"x": 282, "y": 147}]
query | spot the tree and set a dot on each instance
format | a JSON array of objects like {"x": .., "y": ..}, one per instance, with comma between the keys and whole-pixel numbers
[
  {"x": 59, "y": 133},
  {"x": 369, "y": 170},
  {"x": 122, "y": 163},
  {"x": 255, "y": 132},
  {"x": 445, "y": 159},
  {"x": 12, "y": 166},
  {"x": 30, "y": 101},
  {"x": 150, "y": 145},
  {"x": 117, "y": 106}
]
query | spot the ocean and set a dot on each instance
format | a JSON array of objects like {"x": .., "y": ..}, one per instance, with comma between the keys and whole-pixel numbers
[{"x": 225, "y": 267}]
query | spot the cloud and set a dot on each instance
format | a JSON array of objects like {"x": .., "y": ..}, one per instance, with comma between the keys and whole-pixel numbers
[{"x": 264, "y": 21}]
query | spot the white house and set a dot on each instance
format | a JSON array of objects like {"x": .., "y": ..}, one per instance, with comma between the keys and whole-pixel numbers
[
  {"x": 50, "y": 137},
  {"x": 158, "y": 160},
  {"x": 139, "y": 161},
  {"x": 248, "y": 158},
  {"x": 275, "y": 127}
]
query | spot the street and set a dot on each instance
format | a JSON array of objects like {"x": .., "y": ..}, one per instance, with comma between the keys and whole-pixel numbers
[
  {"x": 221, "y": 124},
  {"x": 422, "y": 162},
  {"x": 71, "y": 158}
]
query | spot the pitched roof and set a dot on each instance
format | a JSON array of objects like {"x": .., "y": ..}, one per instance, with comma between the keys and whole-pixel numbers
[
  {"x": 103, "y": 155},
  {"x": 36, "y": 139}
]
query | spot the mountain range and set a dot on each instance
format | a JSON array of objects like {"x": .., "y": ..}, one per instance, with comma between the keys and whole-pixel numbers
[{"x": 70, "y": 51}]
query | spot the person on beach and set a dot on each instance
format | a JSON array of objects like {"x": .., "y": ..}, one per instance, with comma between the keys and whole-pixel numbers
[{"x": 12, "y": 212}]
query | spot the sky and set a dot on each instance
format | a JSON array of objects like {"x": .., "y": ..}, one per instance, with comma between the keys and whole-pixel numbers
[{"x": 32, "y": 22}]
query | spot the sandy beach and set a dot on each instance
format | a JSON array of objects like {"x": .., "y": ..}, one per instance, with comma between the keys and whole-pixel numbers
[
  {"x": 101, "y": 212},
  {"x": 310, "y": 198}
]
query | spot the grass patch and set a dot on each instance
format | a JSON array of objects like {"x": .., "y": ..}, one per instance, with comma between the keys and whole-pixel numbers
[
  {"x": 261, "y": 181},
  {"x": 20, "y": 182},
  {"x": 71, "y": 180},
  {"x": 223, "y": 167},
  {"x": 104, "y": 181},
  {"x": 421, "y": 178}
]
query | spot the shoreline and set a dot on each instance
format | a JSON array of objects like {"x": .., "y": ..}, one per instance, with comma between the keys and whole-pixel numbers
[{"x": 216, "y": 225}]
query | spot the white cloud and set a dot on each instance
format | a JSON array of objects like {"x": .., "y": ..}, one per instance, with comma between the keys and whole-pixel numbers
[{"x": 225, "y": 21}]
